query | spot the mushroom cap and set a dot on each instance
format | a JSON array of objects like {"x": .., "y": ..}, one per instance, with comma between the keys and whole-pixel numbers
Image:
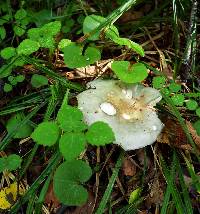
[{"x": 136, "y": 123}]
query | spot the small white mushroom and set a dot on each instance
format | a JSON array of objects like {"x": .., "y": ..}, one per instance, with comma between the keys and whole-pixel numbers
[
  {"x": 127, "y": 109},
  {"x": 108, "y": 108}
]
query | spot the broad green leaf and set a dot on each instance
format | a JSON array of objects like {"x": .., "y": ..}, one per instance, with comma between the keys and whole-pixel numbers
[
  {"x": 67, "y": 182},
  {"x": 34, "y": 34},
  {"x": 2, "y": 33},
  {"x": 130, "y": 44},
  {"x": 47, "y": 133},
  {"x": 71, "y": 145},
  {"x": 12, "y": 80},
  {"x": 19, "y": 30},
  {"x": 5, "y": 71},
  {"x": 159, "y": 82},
  {"x": 27, "y": 47},
  {"x": 174, "y": 87},
  {"x": 70, "y": 119},
  {"x": 93, "y": 21},
  {"x": 20, "y": 14},
  {"x": 38, "y": 81},
  {"x": 51, "y": 28},
  {"x": 7, "y": 87},
  {"x": 12, "y": 162},
  {"x": 74, "y": 58},
  {"x": 14, "y": 121},
  {"x": 129, "y": 74},
  {"x": 191, "y": 104},
  {"x": 8, "y": 52},
  {"x": 4, "y": 19},
  {"x": 178, "y": 99},
  {"x": 134, "y": 195},
  {"x": 100, "y": 134}
]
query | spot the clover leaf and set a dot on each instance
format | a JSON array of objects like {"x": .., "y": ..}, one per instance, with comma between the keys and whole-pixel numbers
[
  {"x": 70, "y": 119},
  {"x": 75, "y": 58},
  {"x": 174, "y": 87},
  {"x": 178, "y": 99},
  {"x": 20, "y": 14},
  {"x": 191, "y": 104},
  {"x": 67, "y": 182},
  {"x": 159, "y": 82},
  {"x": 129, "y": 74},
  {"x": 71, "y": 145},
  {"x": 46, "y": 133},
  {"x": 100, "y": 134}
]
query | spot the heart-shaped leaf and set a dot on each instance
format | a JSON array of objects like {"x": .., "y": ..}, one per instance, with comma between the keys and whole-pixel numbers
[
  {"x": 74, "y": 59},
  {"x": 67, "y": 182},
  {"x": 135, "y": 73}
]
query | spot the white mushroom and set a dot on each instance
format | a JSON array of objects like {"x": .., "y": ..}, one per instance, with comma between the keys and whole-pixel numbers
[{"x": 127, "y": 109}]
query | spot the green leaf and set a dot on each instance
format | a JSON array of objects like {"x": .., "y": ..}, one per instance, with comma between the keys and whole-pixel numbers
[
  {"x": 12, "y": 80},
  {"x": 134, "y": 195},
  {"x": 71, "y": 145},
  {"x": 27, "y": 47},
  {"x": 20, "y": 14},
  {"x": 19, "y": 30},
  {"x": 196, "y": 125},
  {"x": 67, "y": 26},
  {"x": 7, "y": 87},
  {"x": 130, "y": 44},
  {"x": 159, "y": 82},
  {"x": 47, "y": 133},
  {"x": 8, "y": 52},
  {"x": 191, "y": 104},
  {"x": 14, "y": 121},
  {"x": 5, "y": 71},
  {"x": 93, "y": 21},
  {"x": 64, "y": 43},
  {"x": 174, "y": 87},
  {"x": 67, "y": 182},
  {"x": 51, "y": 28},
  {"x": 73, "y": 57},
  {"x": 136, "y": 73},
  {"x": 198, "y": 112},
  {"x": 100, "y": 134},
  {"x": 38, "y": 81},
  {"x": 20, "y": 78},
  {"x": 178, "y": 99},
  {"x": 12, "y": 162},
  {"x": 70, "y": 119},
  {"x": 2, "y": 33}
]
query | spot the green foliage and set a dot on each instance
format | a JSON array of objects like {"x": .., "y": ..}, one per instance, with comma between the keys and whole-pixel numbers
[
  {"x": 198, "y": 112},
  {"x": 47, "y": 133},
  {"x": 100, "y": 134},
  {"x": 27, "y": 47},
  {"x": 2, "y": 33},
  {"x": 75, "y": 58},
  {"x": 20, "y": 14},
  {"x": 38, "y": 81},
  {"x": 174, "y": 87},
  {"x": 67, "y": 182},
  {"x": 45, "y": 34},
  {"x": 63, "y": 43},
  {"x": 12, "y": 162},
  {"x": 5, "y": 71},
  {"x": 129, "y": 74},
  {"x": 14, "y": 121},
  {"x": 197, "y": 126},
  {"x": 70, "y": 119},
  {"x": 159, "y": 82},
  {"x": 191, "y": 104},
  {"x": 71, "y": 145},
  {"x": 134, "y": 195},
  {"x": 8, "y": 52},
  {"x": 93, "y": 21},
  {"x": 178, "y": 99},
  {"x": 7, "y": 87}
]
